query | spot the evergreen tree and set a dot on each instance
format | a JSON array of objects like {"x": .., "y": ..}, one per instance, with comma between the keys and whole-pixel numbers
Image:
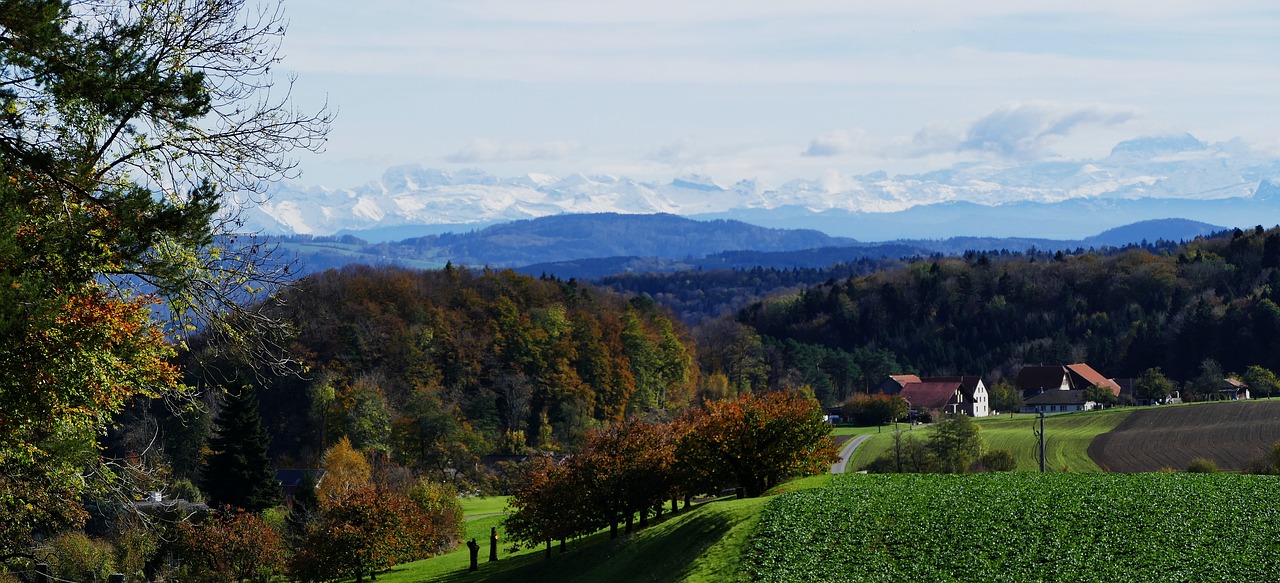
[{"x": 238, "y": 471}]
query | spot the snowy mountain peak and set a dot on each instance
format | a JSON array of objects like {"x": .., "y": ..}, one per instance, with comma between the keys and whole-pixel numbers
[
  {"x": 1151, "y": 146},
  {"x": 1167, "y": 167},
  {"x": 697, "y": 182}
]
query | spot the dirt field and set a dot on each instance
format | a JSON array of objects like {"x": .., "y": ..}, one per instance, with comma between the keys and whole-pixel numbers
[{"x": 1230, "y": 434}]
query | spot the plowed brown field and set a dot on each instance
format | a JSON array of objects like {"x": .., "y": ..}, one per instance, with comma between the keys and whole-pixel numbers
[{"x": 1229, "y": 434}]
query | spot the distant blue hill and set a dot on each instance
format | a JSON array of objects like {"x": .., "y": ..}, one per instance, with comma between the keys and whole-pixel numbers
[{"x": 594, "y": 245}]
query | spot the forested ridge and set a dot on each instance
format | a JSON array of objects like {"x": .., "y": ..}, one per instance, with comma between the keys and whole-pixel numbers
[
  {"x": 1123, "y": 312},
  {"x": 436, "y": 368}
]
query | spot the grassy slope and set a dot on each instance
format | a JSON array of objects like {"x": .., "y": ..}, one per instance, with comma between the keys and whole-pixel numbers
[
  {"x": 701, "y": 545},
  {"x": 1067, "y": 438},
  {"x": 707, "y": 543}
]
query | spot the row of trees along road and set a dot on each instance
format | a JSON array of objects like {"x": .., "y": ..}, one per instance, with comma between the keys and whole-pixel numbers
[
  {"x": 131, "y": 133},
  {"x": 749, "y": 442}
]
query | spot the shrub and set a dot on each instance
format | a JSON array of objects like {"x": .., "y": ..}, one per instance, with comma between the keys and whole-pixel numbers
[
  {"x": 440, "y": 504},
  {"x": 77, "y": 557},
  {"x": 231, "y": 547},
  {"x": 135, "y": 547},
  {"x": 362, "y": 531},
  {"x": 1202, "y": 466},
  {"x": 999, "y": 460},
  {"x": 907, "y": 455}
]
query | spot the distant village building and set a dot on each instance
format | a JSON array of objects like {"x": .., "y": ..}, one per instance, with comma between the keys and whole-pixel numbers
[
  {"x": 1233, "y": 389},
  {"x": 1060, "y": 388},
  {"x": 1033, "y": 380},
  {"x": 895, "y": 383},
  {"x": 1058, "y": 402},
  {"x": 956, "y": 394}
]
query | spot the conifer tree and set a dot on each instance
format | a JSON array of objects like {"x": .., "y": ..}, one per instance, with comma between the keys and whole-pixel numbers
[{"x": 238, "y": 471}]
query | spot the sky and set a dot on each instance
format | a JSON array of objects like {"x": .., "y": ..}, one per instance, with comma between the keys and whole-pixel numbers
[{"x": 771, "y": 91}]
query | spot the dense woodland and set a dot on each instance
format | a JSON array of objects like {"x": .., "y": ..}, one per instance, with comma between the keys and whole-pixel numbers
[
  {"x": 1123, "y": 311},
  {"x": 432, "y": 369}
]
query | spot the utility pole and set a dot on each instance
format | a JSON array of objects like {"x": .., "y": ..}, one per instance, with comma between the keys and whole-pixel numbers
[{"x": 1040, "y": 434}]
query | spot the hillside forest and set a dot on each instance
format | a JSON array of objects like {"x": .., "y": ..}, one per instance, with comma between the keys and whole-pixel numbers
[{"x": 435, "y": 369}]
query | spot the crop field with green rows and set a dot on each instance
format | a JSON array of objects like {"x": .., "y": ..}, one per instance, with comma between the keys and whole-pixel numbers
[{"x": 1018, "y": 527}]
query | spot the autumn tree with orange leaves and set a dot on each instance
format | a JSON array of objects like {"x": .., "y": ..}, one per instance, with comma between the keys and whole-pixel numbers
[
  {"x": 234, "y": 546},
  {"x": 363, "y": 531},
  {"x": 131, "y": 134},
  {"x": 754, "y": 442}
]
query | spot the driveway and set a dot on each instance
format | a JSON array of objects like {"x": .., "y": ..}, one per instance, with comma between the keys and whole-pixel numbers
[{"x": 846, "y": 451}]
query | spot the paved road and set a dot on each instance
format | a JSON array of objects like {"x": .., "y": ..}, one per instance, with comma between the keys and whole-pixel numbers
[{"x": 846, "y": 451}]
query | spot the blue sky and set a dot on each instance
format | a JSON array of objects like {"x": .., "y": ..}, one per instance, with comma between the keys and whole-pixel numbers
[{"x": 771, "y": 90}]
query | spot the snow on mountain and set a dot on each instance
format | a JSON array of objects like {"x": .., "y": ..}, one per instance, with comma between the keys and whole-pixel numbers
[{"x": 1170, "y": 167}]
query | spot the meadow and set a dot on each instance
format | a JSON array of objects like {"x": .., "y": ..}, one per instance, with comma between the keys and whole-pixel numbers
[{"x": 1067, "y": 439}]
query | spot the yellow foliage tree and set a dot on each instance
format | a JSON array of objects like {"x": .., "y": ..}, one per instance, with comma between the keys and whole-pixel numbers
[{"x": 345, "y": 469}]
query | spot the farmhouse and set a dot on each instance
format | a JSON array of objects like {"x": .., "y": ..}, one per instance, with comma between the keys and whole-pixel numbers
[
  {"x": 943, "y": 397},
  {"x": 963, "y": 394},
  {"x": 1058, "y": 402},
  {"x": 1034, "y": 380},
  {"x": 1232, "y": 389},
  {"x": 895, "y": 383},
  {"x": 973, "y": 400}
]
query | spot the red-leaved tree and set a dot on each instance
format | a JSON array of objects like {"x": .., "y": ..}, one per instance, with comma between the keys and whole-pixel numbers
[
  {"x": 232, "y": 546},
  {"x": 362, "y": 531},
  {"x": 754, "y": 442}
]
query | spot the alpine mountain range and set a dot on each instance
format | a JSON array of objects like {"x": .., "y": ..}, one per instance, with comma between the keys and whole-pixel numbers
[{"x": 1225, "y": 183}]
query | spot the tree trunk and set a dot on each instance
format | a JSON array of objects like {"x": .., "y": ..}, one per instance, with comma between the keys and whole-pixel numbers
[
  {"x": 613, "y": 528},
  {"x": 631, "y": 521},
  {"x": 545, "y": 555},
  {"x": 644, "y": 517},
  {"x": 563, "y": 548},
  {"x": 675, "y": 505}
]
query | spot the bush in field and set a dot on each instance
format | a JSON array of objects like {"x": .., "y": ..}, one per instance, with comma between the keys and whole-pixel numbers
[
  {"x": 1202, "y": 466},
  {"x": 867, "y": 410},
  {"x": 957, "y": 443},
  {"x": 998, "y": 460},
  {"x": 1267, "y": 463}
]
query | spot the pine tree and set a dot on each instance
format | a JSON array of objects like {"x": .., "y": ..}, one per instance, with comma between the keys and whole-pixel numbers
[{"x": 238, "y": 471}]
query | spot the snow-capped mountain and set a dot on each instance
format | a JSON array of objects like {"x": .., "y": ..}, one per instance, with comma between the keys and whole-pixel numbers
[{"x": 1173, "y": 168}]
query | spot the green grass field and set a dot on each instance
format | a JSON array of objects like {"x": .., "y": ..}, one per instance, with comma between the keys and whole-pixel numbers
[
  {"x": 700, "y": 545},
  {"x": 714, "y": 541},
  {"x": 473, "y": 507},
  {"x": 1067, "y": 437}
]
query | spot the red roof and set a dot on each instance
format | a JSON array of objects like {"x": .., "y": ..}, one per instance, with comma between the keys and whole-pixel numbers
[
  {"x": 968, "y": 385},
  {"x": 929, "y": 395},
  {"x": 1093, "y": 378},
  {"x": 903, "y": 379}
]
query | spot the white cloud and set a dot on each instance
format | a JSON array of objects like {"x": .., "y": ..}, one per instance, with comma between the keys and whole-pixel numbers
[
  {"x": 490, "y": 151},
  {"x": 1025, "y": 128},
  {"x": 678, "y": 153},
  {"x": 833, "y": 143}
]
